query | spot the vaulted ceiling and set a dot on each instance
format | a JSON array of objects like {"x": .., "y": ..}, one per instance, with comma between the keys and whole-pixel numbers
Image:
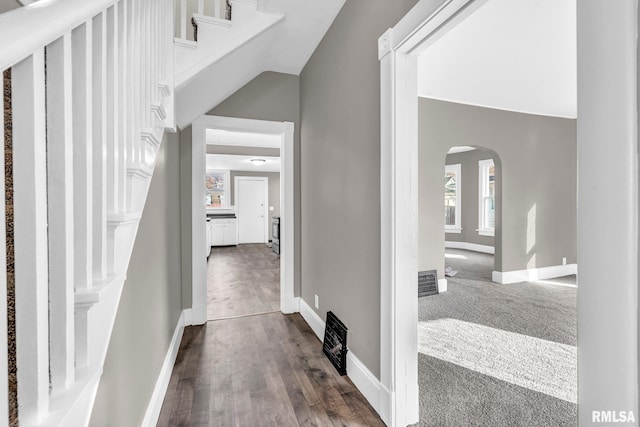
[{"x": 510, "y": 55}]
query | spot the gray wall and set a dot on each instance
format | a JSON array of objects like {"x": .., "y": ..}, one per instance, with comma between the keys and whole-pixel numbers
[
  {"x": 536, "y": 221},
  {"x": 276, "y": 97},
  {"x": 7, "y": 5},
  {"x": 270, "y": 96},
  {"x": 185, "y": 215},
  {"x": 274, "y": 191},
  {"x": 340, "y": 165},
  {"x": 150, "y": 305},
  {"x": 468, "y": 162}
]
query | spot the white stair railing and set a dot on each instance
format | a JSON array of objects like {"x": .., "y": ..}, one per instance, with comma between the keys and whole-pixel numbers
[
  {"x": 186, "y": 12},
  {"x": 91, "y": 94}
]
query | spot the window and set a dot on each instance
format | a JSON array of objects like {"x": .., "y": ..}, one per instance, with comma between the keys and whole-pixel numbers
[
  {"x": 452, "y": 199},
  {"x": 217, "y": 189},
  {"x": 487, "y": 194}
]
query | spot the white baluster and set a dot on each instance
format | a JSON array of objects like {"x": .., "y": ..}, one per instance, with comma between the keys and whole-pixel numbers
[
  {"x": 147, "y": 65},
  {"x": 113, "y": 207},
  {"x": 130, "y": 43},
  {"x": 82, "y": 43},
  {"x": 30, "y": 228},
  {"x": 152, "y": 54},
  {"x": 201, "y": 7},
  {"x": 112, "y": 116},
  {"x": 60, "y": 208},
  {"x": 99, "y": 133},
  {"x": 218, "y": 11},
  {"x": 183, "y": 19},
  {"x": 82, "y": 50},
  {"x": 137, "y": 64},
  {"x": 121, "y": 105},
  {"x": 4, "y": 366}
]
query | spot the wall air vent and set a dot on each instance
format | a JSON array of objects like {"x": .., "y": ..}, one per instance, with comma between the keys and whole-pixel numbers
[{"x": 427, "y": 283}]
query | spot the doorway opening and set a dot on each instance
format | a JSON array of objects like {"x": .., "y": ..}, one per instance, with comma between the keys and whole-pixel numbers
[
  {"x": 243, "y": 270},
  {"x": 234, "y": 146},
  {"x": 489, "y": 353},
  {"x": 399, "y": 52}
]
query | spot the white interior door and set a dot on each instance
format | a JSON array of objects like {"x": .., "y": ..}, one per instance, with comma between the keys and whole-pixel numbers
[{"x": 251, "y": 202}]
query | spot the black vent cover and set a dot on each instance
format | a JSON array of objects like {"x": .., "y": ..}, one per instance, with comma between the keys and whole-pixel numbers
[
  {"x": 427, "y": 283},
  {"x": 335, "y": 343}
]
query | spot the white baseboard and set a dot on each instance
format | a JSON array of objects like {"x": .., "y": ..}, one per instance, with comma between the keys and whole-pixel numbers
[
  {"x": 470, "y": 247},
  {"x": 362, "y": 378},
  {"x": 187, "y": 313},
  {"x": 160, "y": 389},
  {"x": 532, "y": 274},
  {"x": 442, "y": 285}
]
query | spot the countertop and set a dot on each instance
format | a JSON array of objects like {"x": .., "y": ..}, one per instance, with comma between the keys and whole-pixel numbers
[{"x": 226, "y": 215}]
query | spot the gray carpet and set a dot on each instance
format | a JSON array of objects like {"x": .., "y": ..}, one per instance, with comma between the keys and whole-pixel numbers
[{"x": 497, "y": 355}]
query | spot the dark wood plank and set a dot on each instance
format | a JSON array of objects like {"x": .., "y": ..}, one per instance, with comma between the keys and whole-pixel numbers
[
  {"x": 265, "y": 370},
  {"x": 242, "y": 280}
]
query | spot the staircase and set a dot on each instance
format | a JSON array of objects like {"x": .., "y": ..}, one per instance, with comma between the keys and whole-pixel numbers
[
  {"x": 262, "y": 35},
  {"x": 88, "y": 97},
  {"x": 90, "y": 88}
]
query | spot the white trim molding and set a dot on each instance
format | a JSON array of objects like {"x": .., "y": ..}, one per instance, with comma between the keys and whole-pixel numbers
[
  {"x": 398, "y": 51},
  {"x": 483, "y": 190},
  {"x": 607, "y": 134},
  {"x": 456, "y": 169},
  {"x": 198, "y": 314},
  {"x": 470, "y": 247},
  {"x": 442, "y": 285},
  {"x": 358, "y": 373},
  {"x": 533, "y": 274},
  {"x": 160, "y": 389},
  {"x": 453, "y": 230}
]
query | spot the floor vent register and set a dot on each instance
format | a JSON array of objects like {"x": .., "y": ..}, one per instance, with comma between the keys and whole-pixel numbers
[
  {"x": 334, "y": 345},
  {"x": 427, "y": 283}
]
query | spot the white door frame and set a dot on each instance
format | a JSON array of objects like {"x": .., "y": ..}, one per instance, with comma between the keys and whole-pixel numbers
[
  {"x": 198, "y": 313},
  {"x": 607, "y": 142},
  {"x": 236, "y": 194}
]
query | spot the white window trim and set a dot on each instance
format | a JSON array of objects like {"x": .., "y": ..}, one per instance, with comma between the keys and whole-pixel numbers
[
  {"x": 482, "y": 168},
  {"x": 457, "y": 227},
  {"x": 227, "y": 193}
]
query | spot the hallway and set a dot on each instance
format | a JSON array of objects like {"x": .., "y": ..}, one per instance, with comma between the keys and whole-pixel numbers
[
  {"x": 242, "y": 280},
  {"x": 256, "y": 370}
]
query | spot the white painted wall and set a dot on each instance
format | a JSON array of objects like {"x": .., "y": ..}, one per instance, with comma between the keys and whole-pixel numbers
[
  {"x": 510, "y": 55},
  {"x": 607, "y": 238}
]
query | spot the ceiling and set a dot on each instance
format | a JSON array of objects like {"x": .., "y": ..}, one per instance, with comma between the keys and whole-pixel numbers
[
  {"x": 244, "y": 139},
  {"x": 510, "y": 55},
  {"x": 242, "y": 163}
]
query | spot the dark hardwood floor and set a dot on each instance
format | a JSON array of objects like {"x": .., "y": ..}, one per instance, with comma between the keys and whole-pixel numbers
[
  {"x": 265, "y": 370},
  {"x": 242, "y": 280},
  {"x": 257, "y": 370}
]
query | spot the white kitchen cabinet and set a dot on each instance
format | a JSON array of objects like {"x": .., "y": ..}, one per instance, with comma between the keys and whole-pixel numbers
[
  {"x": 223, "y": 232},
  {"x": 209, "y": 234}
]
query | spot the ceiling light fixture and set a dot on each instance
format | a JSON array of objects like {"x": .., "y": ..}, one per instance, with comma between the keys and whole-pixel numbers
[{"x": 258, "y": 162}]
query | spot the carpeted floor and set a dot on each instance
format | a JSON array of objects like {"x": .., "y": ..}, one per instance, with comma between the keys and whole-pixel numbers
[{"x": 497, "y": 355}]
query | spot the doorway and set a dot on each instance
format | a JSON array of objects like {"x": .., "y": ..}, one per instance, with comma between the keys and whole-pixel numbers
[
  {"x": 284, "y": 130},
  {"x": 608, "y": 371}
]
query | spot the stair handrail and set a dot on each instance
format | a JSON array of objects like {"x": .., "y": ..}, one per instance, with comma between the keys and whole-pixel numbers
[
  {"x": 88, "y": 91},
  {"x": 33, "y": 26}
]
